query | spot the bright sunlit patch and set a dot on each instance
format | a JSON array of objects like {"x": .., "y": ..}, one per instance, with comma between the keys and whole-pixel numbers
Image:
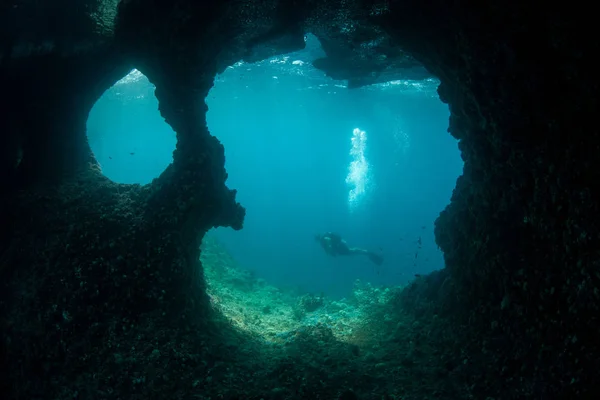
[
  {"x": 131, "y": 77},
  {"x": 424, "y": 87},
  {"x": 358, "y": 170}
]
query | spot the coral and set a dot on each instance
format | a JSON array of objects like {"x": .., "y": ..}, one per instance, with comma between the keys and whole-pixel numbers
[
  {"x": 359, "y": 335},
  {"x": 311, "y": 302}
]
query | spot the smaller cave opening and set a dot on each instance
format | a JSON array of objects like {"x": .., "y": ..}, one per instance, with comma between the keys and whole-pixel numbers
[{"x": 128, "y": 136}]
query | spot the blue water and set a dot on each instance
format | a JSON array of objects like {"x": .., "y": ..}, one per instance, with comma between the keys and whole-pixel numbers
[{"x": 288, "y": 135}]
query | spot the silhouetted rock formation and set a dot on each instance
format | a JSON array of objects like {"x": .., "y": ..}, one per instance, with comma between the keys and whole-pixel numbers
[{"x": 101, "y": 295}]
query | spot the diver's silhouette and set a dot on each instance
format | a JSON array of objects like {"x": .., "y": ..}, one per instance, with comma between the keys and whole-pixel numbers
[{"x": 334, "y": 245}]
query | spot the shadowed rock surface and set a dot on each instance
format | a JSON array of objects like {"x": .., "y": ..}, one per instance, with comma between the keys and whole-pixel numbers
[{"x": 101, "y": 290}]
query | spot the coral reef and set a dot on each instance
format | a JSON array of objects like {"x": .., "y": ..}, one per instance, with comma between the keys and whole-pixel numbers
[
  {"x": 310, "y": 302},
  {"x": 102, "y": 294},
  {"x": 365, "y": 345}
]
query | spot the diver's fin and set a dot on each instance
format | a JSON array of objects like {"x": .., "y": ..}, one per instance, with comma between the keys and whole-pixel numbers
[{"x": 376, "y": 258}]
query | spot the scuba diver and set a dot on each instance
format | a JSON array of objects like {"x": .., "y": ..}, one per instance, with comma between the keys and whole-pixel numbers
[{"x": 334, "y": 245}]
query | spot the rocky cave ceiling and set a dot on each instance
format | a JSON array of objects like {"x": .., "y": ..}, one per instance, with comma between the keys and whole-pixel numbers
[{"x": 519, "y": 237}]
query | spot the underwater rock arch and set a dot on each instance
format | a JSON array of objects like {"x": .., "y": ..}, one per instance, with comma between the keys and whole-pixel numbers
[{"x": 519, "y": 235}]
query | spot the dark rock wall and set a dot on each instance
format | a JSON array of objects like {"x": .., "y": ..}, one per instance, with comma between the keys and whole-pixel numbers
[
  {"x": 47, "y": 100},
  {"x": 520, "y": 235},
  {"x": 89, "y": 268}
]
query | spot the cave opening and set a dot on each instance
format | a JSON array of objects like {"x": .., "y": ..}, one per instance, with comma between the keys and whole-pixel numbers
[
  {"x": 309, "y": 155},
  {"x": 128, "y": 136}
]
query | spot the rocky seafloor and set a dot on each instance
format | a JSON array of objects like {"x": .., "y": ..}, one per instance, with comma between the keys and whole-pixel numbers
[{"x": 103, "y": 296}]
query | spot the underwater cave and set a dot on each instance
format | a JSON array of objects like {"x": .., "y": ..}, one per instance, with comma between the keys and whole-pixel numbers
[
  {"x": 384, "y": 186},
  {"x": 307, "y": 155},
  {"x": 105, "y": 294}
]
